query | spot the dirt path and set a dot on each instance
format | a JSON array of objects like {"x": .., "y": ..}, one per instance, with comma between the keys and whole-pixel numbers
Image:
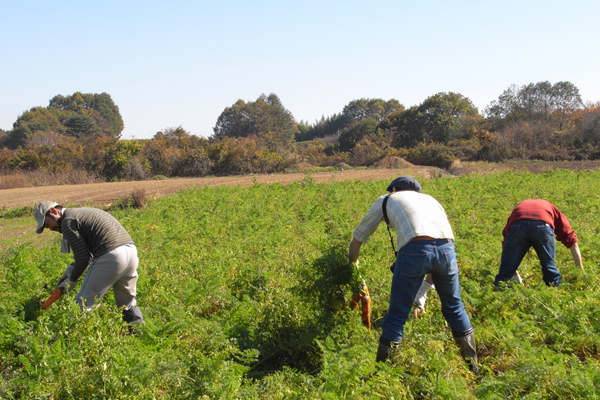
[
  {"x": 16, "y": 231},
  {"x": 104, "y": 194}
]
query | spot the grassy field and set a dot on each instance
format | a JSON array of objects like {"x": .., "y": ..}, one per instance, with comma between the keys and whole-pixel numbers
[{"x": 244, "y": 290}]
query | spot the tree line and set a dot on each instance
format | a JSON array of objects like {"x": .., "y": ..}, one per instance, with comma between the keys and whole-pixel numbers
[{"x": 541, "y": 121}]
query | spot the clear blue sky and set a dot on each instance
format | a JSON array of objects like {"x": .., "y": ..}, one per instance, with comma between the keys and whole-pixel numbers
[{"x": 171, "y": 63}]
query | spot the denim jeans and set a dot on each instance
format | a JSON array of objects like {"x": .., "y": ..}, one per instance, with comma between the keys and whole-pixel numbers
[
  {"x": 522, "y": 235},
  {"x": 413, "y": 262}
]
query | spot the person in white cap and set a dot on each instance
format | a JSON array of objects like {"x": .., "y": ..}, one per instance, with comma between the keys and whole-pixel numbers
[
  {"x": 425, "y": 246},
  {"x": 100, "y": 244}
]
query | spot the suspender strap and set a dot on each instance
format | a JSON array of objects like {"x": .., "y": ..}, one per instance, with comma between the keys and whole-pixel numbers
[{"x": 387, "y": 222}]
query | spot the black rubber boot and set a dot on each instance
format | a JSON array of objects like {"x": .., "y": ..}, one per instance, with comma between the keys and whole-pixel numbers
[
  {"x": 468, "y": 349},
  {"x": 133, "y": 315},
  {"x": 385, "y": 349}
]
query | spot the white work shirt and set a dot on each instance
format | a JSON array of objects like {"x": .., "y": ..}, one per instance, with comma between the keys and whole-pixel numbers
[{"x": 411, "y": 214}]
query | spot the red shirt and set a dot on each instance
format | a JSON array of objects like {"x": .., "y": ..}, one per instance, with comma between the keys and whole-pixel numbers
[{"x": 544, "y": 211}]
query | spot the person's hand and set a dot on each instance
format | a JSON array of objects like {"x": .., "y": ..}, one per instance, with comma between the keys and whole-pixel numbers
[
  {"x": 66, "y": 285},
  {"x": 418, "y": 312},
  {"x": 421, "y": 298},
  {"x": 66, "y": 275},
  {"x": 419, "y": 309}
]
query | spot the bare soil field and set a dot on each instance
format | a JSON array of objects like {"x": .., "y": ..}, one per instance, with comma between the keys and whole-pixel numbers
[{"x": 105, "y": 194}]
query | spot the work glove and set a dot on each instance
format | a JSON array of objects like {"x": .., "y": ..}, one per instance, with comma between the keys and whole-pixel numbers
[
  {"x": 66, "y": 275},
  {"x": 421, "y": 298},
  {"x": 517, "y": 278},
  {"x": 66, "y": 285}
]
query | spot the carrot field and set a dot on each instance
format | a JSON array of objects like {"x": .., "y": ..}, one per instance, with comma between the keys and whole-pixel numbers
[{"x": 245, "y": 295}]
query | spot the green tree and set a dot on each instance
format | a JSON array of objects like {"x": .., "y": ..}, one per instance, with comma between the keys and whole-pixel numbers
[
  {"x": 354, "y": 112},
  {"x": 376, "y": 109},
  {"x": 540, "y": 101},
  {"x": 80, "y": 115},
  {"x": 265, "y": 118},
  {"x": 119, "y": 157},
  {"x": 355, "y": 133},
  {"x": 324, "y": 127},
  {"x": 38, "y": 119},
  {"x": 3, "y": 138},
  {"x": 566, "y": 100},
  {"x": 438, "y": 119},
  {"x": 100, "y": 107},
  {"x": 81, "y": 125}
]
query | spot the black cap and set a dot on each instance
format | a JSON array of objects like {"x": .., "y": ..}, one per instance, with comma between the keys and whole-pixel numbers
[{"x": 405, "y": 182}]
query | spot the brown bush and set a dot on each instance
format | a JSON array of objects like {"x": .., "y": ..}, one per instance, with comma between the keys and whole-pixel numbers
[
  {"x": 44, "y": 178},
  {"x": 393, "y": 162},
  {"x": 365, "y": 153},
  {"x": 14, "y": 181},
  {"x": 433, "y": 154},
  {"x": 302, "y": 167},
  {"x": 138, "y": 198},
  {"x": 342, "y": 166}
]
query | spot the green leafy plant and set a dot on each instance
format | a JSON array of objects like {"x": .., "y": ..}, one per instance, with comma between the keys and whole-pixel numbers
[{"x": 245, "y": 293}]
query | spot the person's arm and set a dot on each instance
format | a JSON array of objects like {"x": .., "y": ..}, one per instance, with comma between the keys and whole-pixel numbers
[
  {"x": 576, "y": 255},
  {"x": 79, "y": 247},
  {"x": 429, "y": 279},
  {"x": 354, "y": 250}
]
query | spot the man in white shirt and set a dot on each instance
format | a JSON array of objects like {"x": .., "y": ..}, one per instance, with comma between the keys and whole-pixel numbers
[{"x": 425, "y": 245}]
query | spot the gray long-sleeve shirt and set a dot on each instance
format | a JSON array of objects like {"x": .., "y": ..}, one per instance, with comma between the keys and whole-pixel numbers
[{"x": 91, "y": 233}]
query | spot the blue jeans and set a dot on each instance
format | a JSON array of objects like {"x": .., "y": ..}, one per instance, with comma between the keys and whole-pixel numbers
[
  {"x": 522, "y": 235},
  {"x": 413, "y": 262}
]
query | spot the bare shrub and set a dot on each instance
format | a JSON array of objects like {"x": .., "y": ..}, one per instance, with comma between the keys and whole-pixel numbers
[
  {"x": 74, "y": 177},
  {"x": 365, "y": 152},
  {"x": 457, "y": 168},
  {"x": 193, "y": 165},
  {"x": 138, "y": 198},
  {"x": 14, "y": 181},
  {"x": 23, "y": 179},
  {"x": 331, "y": 139},
  {"x": 136, "y": 170}
]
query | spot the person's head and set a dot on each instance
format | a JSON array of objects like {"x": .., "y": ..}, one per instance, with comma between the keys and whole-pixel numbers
[
  {"x": 47, "y": 214},
  {"x": 404, "y": 182}
]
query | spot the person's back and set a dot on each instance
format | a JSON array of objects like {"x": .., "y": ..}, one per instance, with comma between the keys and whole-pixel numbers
[
  {"x": 425, "y": 245},
  {"x": 411, "y": 214},
  {"x": 534, "y": 223}
]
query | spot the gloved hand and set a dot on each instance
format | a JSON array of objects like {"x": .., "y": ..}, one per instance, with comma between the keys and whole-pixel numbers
[
  {"x": 421, "y": 298},
  {"x": 517, "y": 278},
  {"x": 66, "y": 285},
  {"x": 66, "y": 275}
]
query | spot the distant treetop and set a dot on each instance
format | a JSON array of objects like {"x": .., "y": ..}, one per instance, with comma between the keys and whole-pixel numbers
[{"x": 81, "y": 115}]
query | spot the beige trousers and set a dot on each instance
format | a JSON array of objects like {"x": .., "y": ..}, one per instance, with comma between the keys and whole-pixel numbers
[{"x": 116, "y": 269}]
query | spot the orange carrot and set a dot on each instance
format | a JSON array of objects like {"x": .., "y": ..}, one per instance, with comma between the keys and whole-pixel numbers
[
  {"x": 355, "y": 299},
  {"x": 55, "y": 295},
  {"x": 366, "y": 309}
]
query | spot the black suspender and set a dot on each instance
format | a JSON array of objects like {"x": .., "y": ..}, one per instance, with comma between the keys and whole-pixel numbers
[{"x": 387, "y": 222}]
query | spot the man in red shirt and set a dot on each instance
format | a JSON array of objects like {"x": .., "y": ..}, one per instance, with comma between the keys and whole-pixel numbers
[{"x": 534, "y": 223}]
